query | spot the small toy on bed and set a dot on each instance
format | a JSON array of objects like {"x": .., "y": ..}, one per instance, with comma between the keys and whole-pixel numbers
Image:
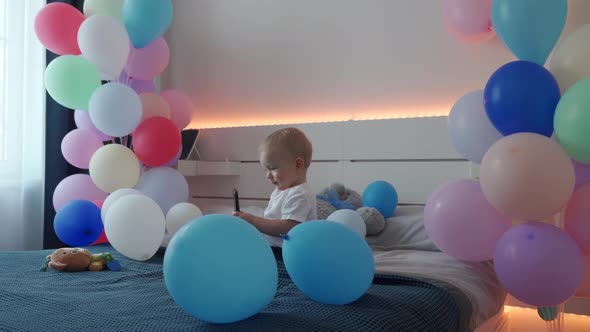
[
  {"x": 337, "y": 197},
  {"x": 78, "y": 259}
]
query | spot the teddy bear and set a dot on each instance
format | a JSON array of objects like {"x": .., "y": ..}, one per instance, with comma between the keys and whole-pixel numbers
[
  {"x": 79, "y": 259},
  {"x": 337, "y": 197}
]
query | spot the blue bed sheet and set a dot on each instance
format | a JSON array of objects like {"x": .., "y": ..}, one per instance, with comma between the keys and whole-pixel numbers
[{"x": 135, "y": 299}]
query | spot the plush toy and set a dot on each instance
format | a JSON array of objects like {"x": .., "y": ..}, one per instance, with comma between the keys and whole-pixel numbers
[
  {"x": 78, "y": 259},
  {"x": 337, "y": 197}
]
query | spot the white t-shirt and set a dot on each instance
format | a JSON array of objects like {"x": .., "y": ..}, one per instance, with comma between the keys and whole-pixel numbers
[{"x": 295, "y": 203}]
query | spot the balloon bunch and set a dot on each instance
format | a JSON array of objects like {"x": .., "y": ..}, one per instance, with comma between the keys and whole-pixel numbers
[
  {"x": 108, "y": 58},
  {"x": 525, "y": 175}
]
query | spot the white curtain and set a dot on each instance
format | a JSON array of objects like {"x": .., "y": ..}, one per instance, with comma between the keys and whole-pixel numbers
[{"x": 23, "y": 154}]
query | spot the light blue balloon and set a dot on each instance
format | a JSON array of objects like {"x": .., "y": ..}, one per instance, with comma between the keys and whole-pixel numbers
[
  {"x": 382, "y": 196},
  {"x": 328, "y": 262},
  {"x": 529, "y": 28},
  {"x": 165, "y": 185},
  {"x": 220, "y": 269},
  {"x": 146, "y": 20}
]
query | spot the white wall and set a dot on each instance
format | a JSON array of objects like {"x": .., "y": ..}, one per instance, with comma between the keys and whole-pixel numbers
[{"x": 252, "y": 61}]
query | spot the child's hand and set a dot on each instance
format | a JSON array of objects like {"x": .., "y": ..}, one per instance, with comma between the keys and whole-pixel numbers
[{"x": 243, "y": 215}]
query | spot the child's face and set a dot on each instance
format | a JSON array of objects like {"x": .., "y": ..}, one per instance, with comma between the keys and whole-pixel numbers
[{"x": 283, "y": 172}]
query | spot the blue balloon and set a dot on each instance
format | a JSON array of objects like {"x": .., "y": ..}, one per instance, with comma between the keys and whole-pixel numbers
[
  {"x": 220, "y": 269},
  {"x": 521, "y": 96},
  {"x": 328, "y": 262},
  {"x": 78, "y": 223},
  {"x": 146, "y": 20},
  {"x": 382, "y": 196},
  {"x": 529, "y": 28}
]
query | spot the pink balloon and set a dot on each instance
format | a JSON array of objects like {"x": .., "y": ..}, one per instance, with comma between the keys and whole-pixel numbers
[
  {"x": 527, "y": 176},
  {"x": 78, "y": 146},
  {"x": 582, "y": 173},
  {"x": 56, "y": 26},
  {"x": 461, "y": 222},
  {"x": 140, "y": 86},
  {"x": 469, "y": 21},
  {"x": 181, "y": 107},
  {"x": 148, "y": 62},
  {"x": 74, "y": 187},
  {"x": 539, "y": 264},
  {"x": 577, "y": 217},
  {"x": 82, "y": 119}
]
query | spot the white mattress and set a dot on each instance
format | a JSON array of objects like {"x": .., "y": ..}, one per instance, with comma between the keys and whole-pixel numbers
[{"x": 403, "y": 248}]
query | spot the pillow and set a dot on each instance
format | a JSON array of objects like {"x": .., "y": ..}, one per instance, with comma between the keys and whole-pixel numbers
[{"x": 403, "y": 231}]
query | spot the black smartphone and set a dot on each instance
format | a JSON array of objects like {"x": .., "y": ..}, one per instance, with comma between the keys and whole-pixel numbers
[{"x": 236, "y": 200}]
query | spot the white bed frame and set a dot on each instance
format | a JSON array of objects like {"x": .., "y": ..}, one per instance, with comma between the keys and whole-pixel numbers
[{"x": 413, "y": 154}]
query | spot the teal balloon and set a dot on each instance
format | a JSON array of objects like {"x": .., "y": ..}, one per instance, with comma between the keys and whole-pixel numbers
[
  {"x": 146, "y": 20},
  {"x": 547, "y": 313},
  {"x": 529, "y": 28},
  {"x": 328, "y": 262},
  {"x": 220, "y": 269}
]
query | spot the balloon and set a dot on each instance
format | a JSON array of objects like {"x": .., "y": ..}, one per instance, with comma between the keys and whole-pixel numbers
[
  {"x": 577, "y": 217},
  {"x": 527, "y": 176},
  {"x": 181, "y": 107},
  {"x": 582, "y": 174},
  {"x": 467, "y": 20},
  {"x": 103, "y": 237},
  {"x": 104, "y": 42},
  {"x": 135, "y": 227},
  {"x": 78, "y": 146},
  {"x": 150, "y": 61},
  {"x": 76, "y": 187},
  {"x": 140, "y": 86},
  {"x": 113, "y": 167},
  {"x": 174, "y": 160},
  {"x": 382, "y": 196},
  {"x": 457, "y": 208},
  {"x": 115, "y": 109},
  {"x": 572, "y": 121},
  {"x": 529, "y": 28},
  {"x": 56, "y": 26},
  {"x": 538, "y": 264},
  {"x": 78, "y": 223},
  {"x": 113, "y": 8},
  {"x": 164, "y": 185},
  {"x": 521, "y": 96},
  {"x": 571, "y": 60},
  {"x": 547, "y": 313},
  {"x": 113, "y": 197},
  {"x": 214, "y": 292},
  {"x": 82, "y": 119},
  {"x": 71, "y": 80},
  {"x": 328, "y": 262},
  {"x": 153, "y": 105},
  {"x": 350, "y": 219},
  {"x": 146, "y": 20},
  {"x": 180, "y": 214},
  {"x": 156, "y": 141},
  {"x": 471, "y": 131}
]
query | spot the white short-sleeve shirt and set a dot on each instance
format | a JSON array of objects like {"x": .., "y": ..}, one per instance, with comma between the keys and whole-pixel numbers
[{"x": 296, "y": 203}]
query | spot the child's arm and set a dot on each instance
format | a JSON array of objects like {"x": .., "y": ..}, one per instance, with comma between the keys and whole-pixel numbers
[{"x": 268, "y": 226}]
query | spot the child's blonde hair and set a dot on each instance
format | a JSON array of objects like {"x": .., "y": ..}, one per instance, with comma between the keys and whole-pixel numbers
[{"x": 290, "y": 140}]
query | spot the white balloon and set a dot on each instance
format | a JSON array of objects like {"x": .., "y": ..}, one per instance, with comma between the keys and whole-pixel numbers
[
  {"x": 164, "y": 185},
  {"x": 350, "y": 219},
  {"x": 135, "y": 226},
  {"x": 181, "y": 214},
  {"x": 113, "y": 167},
  {"x": 113, "y": 197},
  {"x": 104, "y": 42},
  {"x": 115, "y": 109},
  {"x": 571, "y": 59}
]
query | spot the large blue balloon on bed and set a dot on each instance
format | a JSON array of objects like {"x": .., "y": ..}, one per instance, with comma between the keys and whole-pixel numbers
[
  {"x": 220, "y": 269},
  {"x": 328, "y": 262}
]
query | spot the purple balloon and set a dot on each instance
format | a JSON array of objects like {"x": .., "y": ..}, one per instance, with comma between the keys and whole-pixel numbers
[
  {"x": 79, "y": 145},
  {"x": 461, "y": 222},
  {"x": 582, "y": 174},
  {"x": 139, "y": 86},
  {"x": 76, "y": 187},
  {"x": 539, "y": 264},
  {"x": 82, "y": 119}
]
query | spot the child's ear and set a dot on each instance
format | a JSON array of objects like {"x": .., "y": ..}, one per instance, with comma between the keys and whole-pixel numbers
[{"x": 299, "y": 163}]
